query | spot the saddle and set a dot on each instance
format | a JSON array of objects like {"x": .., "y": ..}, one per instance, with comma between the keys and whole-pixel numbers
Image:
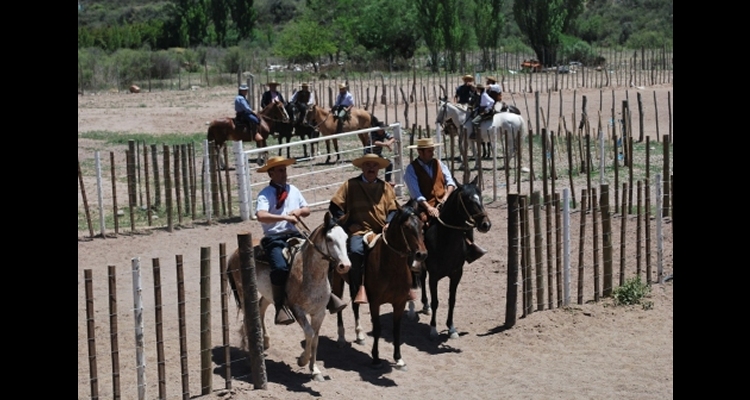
[
  {"x": 510, "y": 108},
  {"x": 294, "y": 246},
  {"x": 242, "y": 124},
  {"x": 336, "y": 111}
]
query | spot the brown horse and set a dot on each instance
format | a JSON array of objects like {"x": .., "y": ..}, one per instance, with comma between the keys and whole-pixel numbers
[
  {"x": 223, "y": 129},
  {"x": 324, "y": 122},
  {"x": 307, "y": 287},
  {"x": 389, "y": 264}
]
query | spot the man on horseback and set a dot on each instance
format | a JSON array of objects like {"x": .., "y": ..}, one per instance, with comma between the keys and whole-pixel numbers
[
  {"x": 301, "y": 99},
  {"x": 363, "y": 205},
  {"x": 464, "y": 92},
  {"x": 272, "y": 94},
  {"x": 430, "y": 182},
  {"x": 245, "y": 113},
  {"x": 280, "y": 205},
  {"x": 483, "y": 111},
  {"x": 342, "y": 107}
]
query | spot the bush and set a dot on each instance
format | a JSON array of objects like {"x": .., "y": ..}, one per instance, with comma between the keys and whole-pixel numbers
[{"x": 632, "y": 292}]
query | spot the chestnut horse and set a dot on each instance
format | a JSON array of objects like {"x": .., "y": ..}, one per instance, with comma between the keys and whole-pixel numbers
[
  {"x": 308, "y": 287},
  {"x": 463, "y": 210},
  {"x": 388, "y": 277},
  {"x": 323, "y": 121},
  {"x": 223, "y": 129}
]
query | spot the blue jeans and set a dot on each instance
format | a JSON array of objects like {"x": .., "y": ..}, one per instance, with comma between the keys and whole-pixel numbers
[
  {"x": 273, "y": 246},
  {"x": 251, "y": 117}
]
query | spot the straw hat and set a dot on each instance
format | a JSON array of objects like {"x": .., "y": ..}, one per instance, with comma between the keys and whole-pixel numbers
[
  {"x": 479, "y": 86},
  {"x": 342, "y": 86},
  {"x": 275, "y": 162},
  {"x": 468, "y": 78},
  {"x": 305, "y": 86},
  {"x": 272, "y": 82},
  {"x": 243, "y": 87},
  {"x": 491, "y": 79},
  {"x": 424, "y": 143},
  {"x": 382, "y": 162}
]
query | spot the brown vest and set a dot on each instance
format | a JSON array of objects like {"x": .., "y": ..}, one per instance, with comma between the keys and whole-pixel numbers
[{"x": 432, "y": 188}]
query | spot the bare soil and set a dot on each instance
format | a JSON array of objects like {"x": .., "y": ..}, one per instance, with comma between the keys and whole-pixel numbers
[{"x": 592, "y": 350}]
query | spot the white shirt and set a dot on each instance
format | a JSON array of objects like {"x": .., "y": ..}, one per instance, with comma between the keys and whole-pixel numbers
[
  {"x": 344, "y": 99},
  {"x": 267, "y": 202}
]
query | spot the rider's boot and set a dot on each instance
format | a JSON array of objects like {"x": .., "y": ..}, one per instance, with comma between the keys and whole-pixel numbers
[
  {"x": 361, "y": 297},
  {"x": 473, "y": 250},
  {"x": 283, "y": 315},
  {"x": 335, "y": 304}
]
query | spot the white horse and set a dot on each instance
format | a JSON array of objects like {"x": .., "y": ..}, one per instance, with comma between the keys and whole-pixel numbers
[
  {"x": 504, "y": 123},
  {"x": 456, "y": 114},
  {"x": 308, "y": 288}
]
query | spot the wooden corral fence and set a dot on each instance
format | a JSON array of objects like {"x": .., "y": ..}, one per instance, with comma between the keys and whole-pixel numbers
[
  {"x": 555, "y": 258},
  {"x": 597, "y": 138}
]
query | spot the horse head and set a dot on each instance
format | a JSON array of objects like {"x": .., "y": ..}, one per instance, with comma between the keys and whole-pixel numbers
[
  {"x": 443, "y": 110},
  {"x": 412, "y": 233},
  {"x": 335, "y": 244},
  {"x": 465, "y": 206},
  {"x": 275, "y": 111}
]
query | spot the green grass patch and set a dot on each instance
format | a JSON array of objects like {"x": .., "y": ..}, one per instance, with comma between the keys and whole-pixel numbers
[
  {"x": 632, "y": 292},
  {"x": 109, "y": 137}
]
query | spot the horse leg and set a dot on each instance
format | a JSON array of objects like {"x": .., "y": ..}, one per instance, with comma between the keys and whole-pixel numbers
[
  {"x": 398, "y": 312},
  {"x": 337, "y": 287},
  {"x": 454, "y": 280},
  {"x": 434, "y": 303},
  {"x": 336, "y": 147},
  {"x": 328, "y": 151},
  {"x": 308, "y": 356},
  {"x": 262, "y": 307},
  {"x": 423, "y": 282},
  {"x": 375, "y": 319}
]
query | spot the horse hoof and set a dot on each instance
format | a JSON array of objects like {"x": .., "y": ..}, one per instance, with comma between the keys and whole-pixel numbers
[
  {"x": 318, "y": 377},
  {"x": 453, "y": 334},
  {"x": 401, "y": 365},
  {"x": 433, "y": 333},
  {"x": 360, "y": 342},
  {"x": 426, "y": 310}
]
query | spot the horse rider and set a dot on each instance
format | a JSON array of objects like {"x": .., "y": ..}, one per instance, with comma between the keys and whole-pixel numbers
[
  {"x": 464, "y": 92},
  {"x": 344, "y": 103},
  {"x": 245, "y": 113},
  {"x": 483, "y": 111},
  {"x": 272, "y": 94},
  {"x": 379, "y": 139},
  {"x": 280, "y": 206},
  {"x": 363, "y": 205},
  {"x": 302, "y": 99},
  {"x": 430, "y": 182}
]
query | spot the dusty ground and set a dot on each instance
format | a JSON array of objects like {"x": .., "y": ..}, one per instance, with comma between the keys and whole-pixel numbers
[{"x": 594, "y": 350}]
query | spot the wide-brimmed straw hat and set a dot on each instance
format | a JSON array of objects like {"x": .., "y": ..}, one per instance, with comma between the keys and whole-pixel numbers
[
  {"x": 382, "y": 162},
  {"x": 275, "y": 162},
  {"x": 424, "y": 143},
  {"x": 272, "y": 82},
  {"x": 491, "y": 79},
  {"x": 342, "y": 86},
  {"x": 467, "y": 78},
  {"x": 479, "y": 86},
  {"x": 305, "y": 85}
]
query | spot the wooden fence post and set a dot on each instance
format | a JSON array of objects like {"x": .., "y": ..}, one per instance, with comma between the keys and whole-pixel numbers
[
  {"x": 91, "y": 333},
  {"x": 252, "y": 315},
  {"x": 115, "y": 352},
  {"x": 181, "y": 326},
  {"x": 512, "y": 288},
  {"x": 205, "y": 320},
  {"x": 159, "y": 325},
  {"x": 606, "y": 241}
]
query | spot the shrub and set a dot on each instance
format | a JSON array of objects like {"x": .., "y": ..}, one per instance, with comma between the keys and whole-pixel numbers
[{"x": 632, "y": 292}]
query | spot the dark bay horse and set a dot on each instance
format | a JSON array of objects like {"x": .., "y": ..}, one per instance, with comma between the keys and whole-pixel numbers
[
  {"x": 388, "y": 278},
  {"x": 223, "y": 129},
  {"x": 446, "y": 246},
  {"x": 324, "y": 122},
  {"x": 308, "y": 286},
  {"x": 297, "y": 126}
]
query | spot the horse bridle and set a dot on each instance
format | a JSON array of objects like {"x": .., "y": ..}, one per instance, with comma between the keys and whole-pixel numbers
[
  {"x": 321, "y": 122},
  {"x": 403, "y": 236},
  {"x": 307, "y": 236},
  {"x": 471, "y": 223}
]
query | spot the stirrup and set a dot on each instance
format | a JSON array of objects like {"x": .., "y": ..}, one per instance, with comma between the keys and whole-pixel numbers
[
  {"x": 335, "y": 304},
  {"x": 361, "y": 297},
  {"x": 284, "y": 316}
]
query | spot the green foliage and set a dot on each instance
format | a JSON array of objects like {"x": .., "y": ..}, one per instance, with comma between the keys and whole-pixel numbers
[
  {"x": 574, "y": 49},
  {"x": 543, "y": 22},
  {"x": 304, "y": 41},
  {"x": 235, "y": 60},
  {"x": 632, "y": 292}
]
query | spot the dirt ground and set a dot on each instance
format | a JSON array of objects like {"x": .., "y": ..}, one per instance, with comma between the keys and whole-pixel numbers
[{"x": 594, "y": 350}]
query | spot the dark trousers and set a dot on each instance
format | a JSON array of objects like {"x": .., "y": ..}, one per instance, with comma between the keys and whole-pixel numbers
[
  {"x": 356, "y": 254},
  {"x": 273, "y": 246}
]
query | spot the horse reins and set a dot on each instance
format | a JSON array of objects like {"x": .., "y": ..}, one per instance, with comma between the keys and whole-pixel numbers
[
  {"x": 403, "y": 235},
  {"x": 470, "y": 222},
  {"x": 307, "y": 236}
]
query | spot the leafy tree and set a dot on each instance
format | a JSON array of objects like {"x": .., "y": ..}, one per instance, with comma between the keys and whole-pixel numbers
[
  {"x": 219, "y": 15},
  {"x": 244, "y": 17},
  {"x": 303, "y": 41},
  {"x": 543, "y": 21},
  {"x": 428, "y": 22},
  {"x": 401, "y": 37},
  {"x": 489, "y": 24}
]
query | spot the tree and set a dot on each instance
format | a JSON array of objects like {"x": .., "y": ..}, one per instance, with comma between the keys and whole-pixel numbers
[
  {"x": 219, "y": 14},
  {"x": 428, "y": 22},
  {"x": 244, "y": 17},
  {"x": 489, "y": 24},
  {"x": 303, "y": 41},
  {"x": 401, "y": 37},
  {"x": 543, "y": 21}
]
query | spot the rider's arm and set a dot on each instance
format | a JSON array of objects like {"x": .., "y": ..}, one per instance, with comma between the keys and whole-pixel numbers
[{"x": 412, "y": 184}]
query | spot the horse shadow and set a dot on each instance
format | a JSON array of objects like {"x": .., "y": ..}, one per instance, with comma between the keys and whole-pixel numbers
[{"x": 276, "y": 371}]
